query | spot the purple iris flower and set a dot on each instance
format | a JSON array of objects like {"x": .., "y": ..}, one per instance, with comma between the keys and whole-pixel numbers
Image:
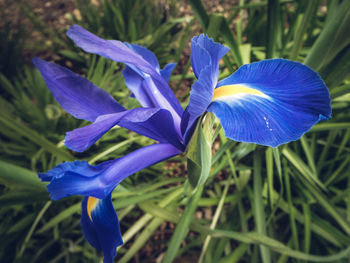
[{"x": 269, "y": 103}]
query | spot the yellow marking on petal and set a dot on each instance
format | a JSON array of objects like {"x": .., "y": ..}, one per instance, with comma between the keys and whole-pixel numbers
[
  {"x": 231, "y": 90},
  {"x": 91, "y": 205}
]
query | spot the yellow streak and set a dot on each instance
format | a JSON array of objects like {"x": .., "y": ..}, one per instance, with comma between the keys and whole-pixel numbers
[
  {"x": 231, "y": 90},
  {"x": 91, "y": 204}
]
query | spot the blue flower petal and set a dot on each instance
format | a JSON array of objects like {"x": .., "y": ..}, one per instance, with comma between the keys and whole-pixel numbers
[
  {"x": 135, "y": 78},
  {"x": 154, "y": 123},
  {"x": 78, "y": 96},
  {"x": 100, "y": 226},
  {"x": 157, "y": 89},
  {"x": 200, "y": 98},
  {"x": 144, "y": 89},
  {"x": 136, "y": 84},
  {"x": 204, "y": 52},
  {"x": 145, "y": 54},
  {"x": 271, "y": 102},
  {"x": 166, "y": 71},
  {"x": 205, "y": 57},
  {"x": 114, "y": 50},
  {"x": 80, "y": 178}
]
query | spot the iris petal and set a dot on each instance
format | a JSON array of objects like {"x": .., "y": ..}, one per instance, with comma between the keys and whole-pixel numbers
[
  {"x": 154, "y": 123},
  {"x": 80, "y": 178},
  {"x": 100, "y": 226},
  {"x": 205, "y": 56},
  {"x": 145, "y": 54},
  {"x": 200, "y": 98},
  {"x": 118, "y": 51},
  {"x": 114, "y": 50},
  {"x": 134, "y": 82},
  {"x": 204, "y": 52},
  {"x": 166, "y": 71},
  {"x": 78, "y": 96},
  {"x": 276, "y": 101}
]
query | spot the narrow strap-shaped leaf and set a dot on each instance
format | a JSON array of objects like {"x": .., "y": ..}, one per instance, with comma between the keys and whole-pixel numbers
[
  {"x": 259, "y": 213},
  {"x": 183, "y": 226},
  {"x": 250, "y": 238}
]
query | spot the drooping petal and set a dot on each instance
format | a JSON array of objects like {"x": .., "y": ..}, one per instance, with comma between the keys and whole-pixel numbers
[
  {"x": 158, "y": 125},
  {"x": 115, "y": 50},
  {"x": 154, "y": 123},
  {"x": 118, "y": 51},
  {"x": 78, "y": 96},
  {"x": 270, "y": 102},
  {"x": 80, "y": 178},
  {"x": 100, "y": 226}
]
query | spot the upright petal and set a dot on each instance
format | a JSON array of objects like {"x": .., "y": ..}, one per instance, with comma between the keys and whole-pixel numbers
[
  {"x": 154, "y": 123},
  {"x": 135, "y": 78},
  {"x": 166, "y": 71},
  {"x": 100, "y": 226},
  {"x": 134, "y": 81},
  {"x": 204, "y": 52},
  {"x": 80, "y": 178},
  {"x": 118, "y": 51},
  {"x": 200, "y": 98},
  {"x": 205, "y": 57},
  {"x": 270, "y": 102},
  {"x": 78, "y": 96}
]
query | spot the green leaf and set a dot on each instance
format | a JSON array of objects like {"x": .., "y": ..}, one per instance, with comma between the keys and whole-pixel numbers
[
  {"x": 200, "y": 12},
  {"x": 23, "y": 197},
  {"x": 67, "y": 213},
  {"x": 230, "y": 40},
  {"x": 33, "y": 136},
  {"x": 309, "y": 14},
  {"x": 334, "y": 37},
  {"x": 258, "y": 208},
  {"x": 302, "y": 167},
  {"x": 183, "y": 226},
  {"x": 249, "y": 238},
  {"x": 274, "y": 31},
  {"x": 17, "y": 177},
  {"x": 199, "y": 151},
  {"x": 326, "y": 126},
  {"x": 337, "y": 70}
]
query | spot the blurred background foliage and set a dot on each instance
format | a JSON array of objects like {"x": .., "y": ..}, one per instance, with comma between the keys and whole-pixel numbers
[{"x": 290, "y": 204}]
